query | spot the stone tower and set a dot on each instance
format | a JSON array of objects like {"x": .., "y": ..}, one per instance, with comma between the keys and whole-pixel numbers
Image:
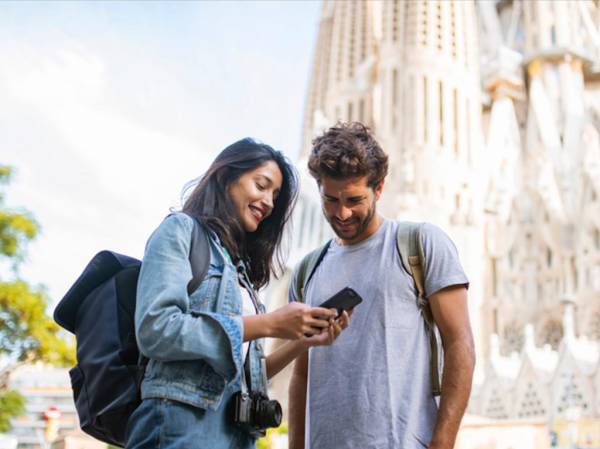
[{"x": 490, "y": 113}]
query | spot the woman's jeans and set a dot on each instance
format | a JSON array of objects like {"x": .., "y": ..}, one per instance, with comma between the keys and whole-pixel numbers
[{"x": 166, "y": 424}]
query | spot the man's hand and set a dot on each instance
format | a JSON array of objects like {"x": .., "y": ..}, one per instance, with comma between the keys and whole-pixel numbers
[{"x": 331, "y": 333}]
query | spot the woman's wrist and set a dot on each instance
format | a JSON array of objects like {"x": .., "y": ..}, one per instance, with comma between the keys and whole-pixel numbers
[{"x": 269, "y": 325}]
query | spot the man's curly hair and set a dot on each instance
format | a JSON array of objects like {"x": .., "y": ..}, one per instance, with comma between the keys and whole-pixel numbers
[{"x": 348, "y": 150}]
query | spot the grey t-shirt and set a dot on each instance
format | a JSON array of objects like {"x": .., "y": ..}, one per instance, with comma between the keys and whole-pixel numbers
[{"x": 371, "y": 389}]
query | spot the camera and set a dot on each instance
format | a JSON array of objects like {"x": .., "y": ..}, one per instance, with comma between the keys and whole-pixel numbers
[{"x": 255, "y": 412}]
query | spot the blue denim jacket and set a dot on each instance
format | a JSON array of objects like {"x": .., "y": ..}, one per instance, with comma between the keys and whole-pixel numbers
[{"x": 193, "y": 341}]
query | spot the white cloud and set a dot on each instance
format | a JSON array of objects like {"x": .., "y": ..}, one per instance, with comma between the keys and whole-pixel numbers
[{"x": 99, "y": 179}]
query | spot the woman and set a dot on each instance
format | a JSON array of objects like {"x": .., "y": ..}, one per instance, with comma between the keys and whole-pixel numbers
[{"x": 205, "y": 347}]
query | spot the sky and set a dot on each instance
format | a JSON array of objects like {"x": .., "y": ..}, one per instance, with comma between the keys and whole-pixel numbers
[{"x": 107, "y": 109}]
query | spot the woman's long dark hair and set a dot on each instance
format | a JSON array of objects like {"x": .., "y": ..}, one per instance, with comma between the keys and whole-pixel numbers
[{"x": 210, "y": 203}]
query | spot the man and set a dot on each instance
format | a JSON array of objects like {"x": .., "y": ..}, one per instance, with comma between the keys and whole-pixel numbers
[{"x": 372, "y": 388}]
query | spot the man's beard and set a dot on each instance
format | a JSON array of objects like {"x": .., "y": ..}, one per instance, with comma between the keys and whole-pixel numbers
[{"x": 362, "y": 225}]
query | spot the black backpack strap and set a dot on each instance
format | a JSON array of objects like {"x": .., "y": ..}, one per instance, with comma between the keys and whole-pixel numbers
[
  {"x": 410, "y": 247},
  {"x": 307, "y": 267},
  {"x": 199, "y": 255}
]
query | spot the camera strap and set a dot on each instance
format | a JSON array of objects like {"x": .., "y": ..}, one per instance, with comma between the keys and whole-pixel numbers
[{"x": 244, "y": 281}]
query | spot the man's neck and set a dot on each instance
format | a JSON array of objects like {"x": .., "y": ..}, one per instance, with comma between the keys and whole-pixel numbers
[{"x": 374, "y": 225}]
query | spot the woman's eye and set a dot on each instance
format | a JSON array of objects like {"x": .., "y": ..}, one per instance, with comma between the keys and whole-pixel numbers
[{"x": 260, "y": 186}]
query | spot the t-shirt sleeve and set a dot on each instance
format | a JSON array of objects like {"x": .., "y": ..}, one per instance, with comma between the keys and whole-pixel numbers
[{"x": 442, "y": 266}]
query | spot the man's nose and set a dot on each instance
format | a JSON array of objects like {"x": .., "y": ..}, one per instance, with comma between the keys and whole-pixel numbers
[{"x": 343, "y": 213}]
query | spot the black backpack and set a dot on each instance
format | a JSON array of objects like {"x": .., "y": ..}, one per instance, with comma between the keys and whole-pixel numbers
[{"x": 99, "y": 309}]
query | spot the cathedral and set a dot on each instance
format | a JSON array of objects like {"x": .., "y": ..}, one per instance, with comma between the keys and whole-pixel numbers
[{"x": 490, "y": 114}]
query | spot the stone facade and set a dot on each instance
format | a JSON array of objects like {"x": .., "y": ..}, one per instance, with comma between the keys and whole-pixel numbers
[{"x": 490, "y": 113}]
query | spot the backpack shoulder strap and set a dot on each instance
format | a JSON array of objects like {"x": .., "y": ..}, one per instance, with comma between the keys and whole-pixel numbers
[
  {"x": 408, "y": 242},
  {"x": 307, "y": 268},
  {"x": 199, "y": 255},
  {"x": 410, "y": 247}
]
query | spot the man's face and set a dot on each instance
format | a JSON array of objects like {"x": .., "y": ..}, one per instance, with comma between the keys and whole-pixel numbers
[{"x": 349, "y": 206}]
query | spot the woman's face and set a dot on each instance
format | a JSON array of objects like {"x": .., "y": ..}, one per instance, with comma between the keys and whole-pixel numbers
[{"x": 254, "y": 193}]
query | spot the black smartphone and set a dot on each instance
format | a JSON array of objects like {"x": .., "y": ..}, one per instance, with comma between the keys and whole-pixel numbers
[{"x": 345, "y": 299}]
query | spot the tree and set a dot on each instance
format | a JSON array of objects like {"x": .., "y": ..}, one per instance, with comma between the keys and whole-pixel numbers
[{"x": 27, "y": 333}]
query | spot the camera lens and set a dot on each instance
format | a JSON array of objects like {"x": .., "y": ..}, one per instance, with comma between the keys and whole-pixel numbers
[{"x": 268, "y": 414}]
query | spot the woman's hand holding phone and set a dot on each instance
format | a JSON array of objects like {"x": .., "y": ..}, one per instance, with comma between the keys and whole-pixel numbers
[
  {"x": 296, "y": 319},
  {"x": 331, "y": 333}
]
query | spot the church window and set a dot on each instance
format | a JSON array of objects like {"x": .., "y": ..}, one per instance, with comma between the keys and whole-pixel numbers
[
  {"x": 495, "y": 406},
  {"x": 531, "y": 405},
  {"x": 594, "y": 328},
  {"x": 495, "y": 321},
  {"x": 439, "y": 25},
  {"x": 395, "y": 21},
  {"x": 548, "y": 257},
  {"x": 453, "y": 29},
  {"x": 571, "y": 396},
  {"x": 352, "y": 43},
  {"x": 363, "y": 31},
  {"x": 394, "y": 87},
  {"x": 552, "y": 334},
  {"x": 350, "y": 111},
  {"x": 340, "y": 53},
  {"x": 494, "y": 277},
  {"x": 424, "y": 8},
  {"x": 361, "y": 110},
  {"x": 597, "y": 238},
  {"x": 412, "y": 92},
  {"x": 384, "y": 20},
  {"x": 513, "y": 338}
]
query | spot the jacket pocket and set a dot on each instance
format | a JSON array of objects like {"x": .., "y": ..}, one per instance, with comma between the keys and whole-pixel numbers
[{"x": 204, "y": 298}]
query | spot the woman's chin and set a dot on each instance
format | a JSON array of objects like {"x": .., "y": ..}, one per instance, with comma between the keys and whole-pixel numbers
[{"x": 250, "y": 226}]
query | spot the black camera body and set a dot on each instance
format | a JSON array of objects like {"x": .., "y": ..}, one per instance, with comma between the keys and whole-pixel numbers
[{"x": 255, "y": 412}]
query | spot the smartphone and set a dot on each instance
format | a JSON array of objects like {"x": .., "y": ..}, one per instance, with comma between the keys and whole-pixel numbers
[{"x": 345, "y": 299}]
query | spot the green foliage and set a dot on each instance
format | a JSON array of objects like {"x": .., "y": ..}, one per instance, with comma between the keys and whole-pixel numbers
[
  {"x": 27, "y": 333},
  {"x": 11, "y": 404},
  {"x": 16, "y": 228}
]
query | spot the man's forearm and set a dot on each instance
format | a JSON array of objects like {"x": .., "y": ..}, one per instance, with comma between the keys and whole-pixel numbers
[
  {"x": 297, "y": 403},
  {"x": 459, "y": 363}
]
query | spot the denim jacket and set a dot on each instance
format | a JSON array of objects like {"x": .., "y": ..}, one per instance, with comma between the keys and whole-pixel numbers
[{"x": 194, "y": 342}]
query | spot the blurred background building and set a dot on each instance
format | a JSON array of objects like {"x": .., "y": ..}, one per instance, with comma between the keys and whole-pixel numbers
[
  {"x": 50, "y": 419},
  {"x": 490, "y": 113}
]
